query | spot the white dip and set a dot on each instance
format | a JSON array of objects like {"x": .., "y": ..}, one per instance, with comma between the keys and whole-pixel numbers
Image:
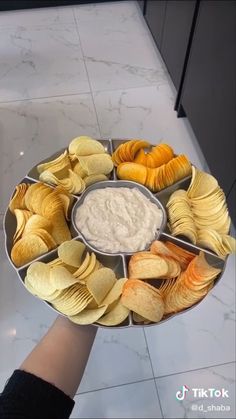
[{"x": 118, "y": 219}]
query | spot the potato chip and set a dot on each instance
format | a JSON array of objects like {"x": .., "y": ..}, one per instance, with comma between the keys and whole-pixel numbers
[
  {"x": 88, "y": 147},
  {"x": 27, "y": 249},
  {"x": 79, "y": 170},
  {"x": 60, "y": 230},
  {"x": 71, "y": 252},
  {"x": 90, "y": 267},
  {"x": 18, "y": 200},
  {"x": 61, "y": 278},
  {"x": 36, "y": 222},
  {"x": 38, "y": 275},
  {"x": 148, "y": 267},
  {"x": 83, "y": 266},
  {"x": 78, "y": 140},
  {"x": 143, "y": 299},
  {"x": 88, "y": 316},
  {"x": 100, "y": 282},
  {"x": 90, "y": 180},
  {"x": 22, "y": 216},
  {"x": 132, "y": 171},
  {"x": 61, "y": 163},
  {"x": 115, "y": 292},
  {"x": 139, "y": 319},
  {"x": 97, "y": 164},
  {"x": 116, "y": 316}
]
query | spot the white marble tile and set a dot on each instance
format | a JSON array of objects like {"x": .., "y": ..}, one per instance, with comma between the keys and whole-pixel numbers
[
  {"x": 219, "y": 377},
  {"x": 137, "y": 400},
  {"x": 41, "y": 61},
  {"x": 31, "y": 131},
  {"x": 202, "y": 337},
  {"x": 23, "y": 319},
  {"x": 117, "y": 46},
  {"x": 36, "y": 17},
  {"x": 118, "y": 357},
  {"x": 146, "y": 112}
]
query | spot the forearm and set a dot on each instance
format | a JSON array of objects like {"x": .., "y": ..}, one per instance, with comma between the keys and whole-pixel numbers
[{"x": 61, "y": 356}]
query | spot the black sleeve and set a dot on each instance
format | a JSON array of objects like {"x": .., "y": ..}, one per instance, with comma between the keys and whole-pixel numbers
[{"x": 28, "y": 396}]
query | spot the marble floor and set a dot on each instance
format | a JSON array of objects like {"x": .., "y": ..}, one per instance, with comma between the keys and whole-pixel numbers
[{"x": 94, "y": 69}]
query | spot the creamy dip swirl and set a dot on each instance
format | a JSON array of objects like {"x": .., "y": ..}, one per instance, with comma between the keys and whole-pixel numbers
[{"x": 117, "y": 220}]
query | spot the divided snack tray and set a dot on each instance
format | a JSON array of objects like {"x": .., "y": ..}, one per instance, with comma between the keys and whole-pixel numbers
[{"x": 118, "y": 262}]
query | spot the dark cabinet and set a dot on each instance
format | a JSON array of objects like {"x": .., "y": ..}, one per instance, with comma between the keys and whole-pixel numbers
[
  {"x": 141, "y": 5},
  {"x": 208, "y": 94},
  {"x": 175, "y": 37},
  {"x": 231, "y": 201},
  {"x": 155, "y": 17}
]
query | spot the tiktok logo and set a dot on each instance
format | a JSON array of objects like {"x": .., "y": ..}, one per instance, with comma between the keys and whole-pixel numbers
[{"x": 180, "y": 395}]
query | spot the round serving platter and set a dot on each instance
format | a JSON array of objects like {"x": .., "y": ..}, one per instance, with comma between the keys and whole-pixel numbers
[{"x": 118, "y": 262}]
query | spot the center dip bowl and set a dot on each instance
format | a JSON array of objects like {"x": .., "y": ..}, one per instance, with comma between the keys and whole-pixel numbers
[{"x": 119, "y": 184}]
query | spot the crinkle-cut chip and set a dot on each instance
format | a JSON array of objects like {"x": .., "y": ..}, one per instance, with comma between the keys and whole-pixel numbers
[
  {"x": 115, "y": 292},
  {"x": 18, "y": 199},
  {"x": 132, "y": 171},
  {"x": 60, "y": 160},
  {"x": 71, "y": 252},
  {"x": 86, "y": 148},
  {"x": 90, "y": 267},
  {"x": 38, "y": 274},
  {"x": 88, "y": 316},
  {"x": 97, "y": 164},
  {"x": 27, "y": 249},
  {"x": 90, "y": 180},
  {"x": 74, "y": 143},
  {"x": 61, "y": 278},
  {"x": 116, "y": 316},
  {"x": 143, "y": 299},
  {"x": 155, "y": 267},
  {"x": 79, "y": 170},
  {"x": 36, "y": 222},
  {"x": 100, "y": 282},
  {"x": 60, "y": 230},
  {"x": 22, "y": 216}
]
